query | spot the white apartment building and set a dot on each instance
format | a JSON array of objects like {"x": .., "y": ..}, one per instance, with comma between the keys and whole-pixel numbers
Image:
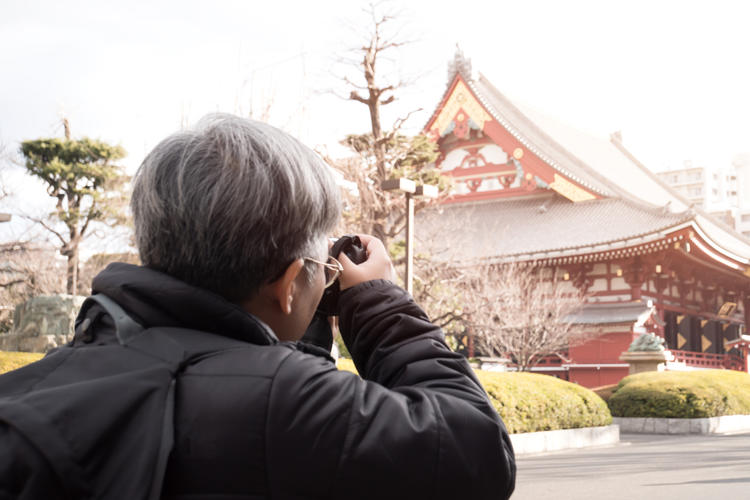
[
  {"x": 722, "y": 192},
  {"x": 741, "y": 164}
]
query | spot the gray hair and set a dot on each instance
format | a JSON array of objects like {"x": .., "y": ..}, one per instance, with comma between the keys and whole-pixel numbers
[{"x": 229, "y": 205}]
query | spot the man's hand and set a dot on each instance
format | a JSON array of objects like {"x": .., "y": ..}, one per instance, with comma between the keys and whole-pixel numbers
[{"x": 377, "y": 266}]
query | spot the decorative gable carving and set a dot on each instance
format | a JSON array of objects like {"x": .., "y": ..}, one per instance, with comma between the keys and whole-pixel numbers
[
  {"x": 464, "y": 125},
  {"x": 461, "y": 100}
]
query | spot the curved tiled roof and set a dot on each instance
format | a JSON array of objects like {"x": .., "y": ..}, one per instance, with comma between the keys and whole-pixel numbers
[
  {"x": 612, "y": 313},
  {"x": 534, "y": 138},
  {"x": 635, "y": 200},
  {"x": 540, "y": 224}
]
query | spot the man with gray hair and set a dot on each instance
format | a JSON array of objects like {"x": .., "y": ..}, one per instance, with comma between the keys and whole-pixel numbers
[{"x": 231, "y": 222}]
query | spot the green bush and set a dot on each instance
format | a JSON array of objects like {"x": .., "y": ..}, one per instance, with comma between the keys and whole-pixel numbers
[
  {"x": 12, "y": 360},
  {"x": 526, "y": 402},
  {"x": 529, "y": 402},
  {"x": 694, "y": 394}
]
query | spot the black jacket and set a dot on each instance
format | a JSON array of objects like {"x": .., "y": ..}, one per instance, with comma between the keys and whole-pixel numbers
[{"x": 278, "y": 420}]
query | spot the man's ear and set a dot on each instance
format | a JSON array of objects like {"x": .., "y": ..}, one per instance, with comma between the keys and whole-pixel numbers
[{"x": 284, "y": 289}]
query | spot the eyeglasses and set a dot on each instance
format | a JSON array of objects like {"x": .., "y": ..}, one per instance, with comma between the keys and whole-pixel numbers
[{"x": 332, "y": 268}]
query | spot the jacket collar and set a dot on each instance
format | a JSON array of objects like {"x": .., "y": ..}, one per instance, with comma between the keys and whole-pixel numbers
[{"x": 156, "y": 299}]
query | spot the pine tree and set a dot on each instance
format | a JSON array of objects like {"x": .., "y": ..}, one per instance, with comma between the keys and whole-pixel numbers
[{"x": 81, "y": 175}]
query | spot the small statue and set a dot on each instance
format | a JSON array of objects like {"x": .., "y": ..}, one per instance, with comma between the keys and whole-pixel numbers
[{"x": 647, "y": 342}]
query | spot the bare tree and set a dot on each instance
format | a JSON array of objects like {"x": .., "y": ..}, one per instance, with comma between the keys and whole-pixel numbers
[
  {"x": 6, "y": 160},
  {"x": 374, "y": 92},
  {"x": 26, "y": 270},
  {"x": 435, "y": 289},
  {"x": 384, "y": 152},
  {"x": 523, "y": 311},
  {"x": 370, "y": 209}
]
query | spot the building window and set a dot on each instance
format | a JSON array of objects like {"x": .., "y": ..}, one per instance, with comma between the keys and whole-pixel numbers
[
  {"x": 695, "y": 191},
  {"x": 745, "y": 217}
]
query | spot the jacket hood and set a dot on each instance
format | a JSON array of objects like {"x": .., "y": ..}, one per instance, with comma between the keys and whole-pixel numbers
[{"x": 156, "y": 299}]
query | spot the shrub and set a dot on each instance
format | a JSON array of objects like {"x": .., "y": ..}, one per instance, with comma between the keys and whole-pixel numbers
[
  {"x": 529, "y": 402},
  {"x": 526, "y": 402},
  {"x": 346, "y": 364},
  {"x": 12, "y": 360},
  {"x": 694, "y": 394}
]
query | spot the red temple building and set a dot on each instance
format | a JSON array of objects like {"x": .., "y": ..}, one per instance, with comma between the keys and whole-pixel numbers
[{"x": 529, "y": 189}]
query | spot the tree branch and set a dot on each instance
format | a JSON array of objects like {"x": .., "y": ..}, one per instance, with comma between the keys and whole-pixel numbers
[
  {"x": 10, "y": 283},
  {"x": 354, "y": 96},
  {"x": 47, "y": 227},
  {"x": 355, "y": 85},
  {"x": 89, "y": 218},
  {"x": 388, "y": 100},
  {"x": 400, "y": 121}
]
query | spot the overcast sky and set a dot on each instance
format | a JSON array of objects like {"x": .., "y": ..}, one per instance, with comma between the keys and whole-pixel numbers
[{"x": 673, "y": 76}]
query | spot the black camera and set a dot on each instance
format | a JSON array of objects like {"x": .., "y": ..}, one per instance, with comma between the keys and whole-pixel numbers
[
  {"x": 352, "y": 247},
  {"x": 319, "y": 331}
]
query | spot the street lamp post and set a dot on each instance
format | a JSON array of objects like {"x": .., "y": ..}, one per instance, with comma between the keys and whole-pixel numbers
[{"x": 410, "y": 189}]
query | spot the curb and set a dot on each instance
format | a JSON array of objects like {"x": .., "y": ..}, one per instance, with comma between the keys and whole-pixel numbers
[
  {"x": 566, "y": 439},
  {"x": 712, "y": 425}
]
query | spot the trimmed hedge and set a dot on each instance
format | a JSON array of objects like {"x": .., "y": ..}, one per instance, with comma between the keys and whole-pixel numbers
[
  {"x": 530, "y": 402},
  {"x": 346, "y": 364},
  {"x": 526, "y": 402},
  {"x": 12, "y": 360},
  {"x": 693, "y": 394}
]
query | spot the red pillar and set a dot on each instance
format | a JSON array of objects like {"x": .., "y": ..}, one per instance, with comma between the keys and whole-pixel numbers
[{"x": 634, "y": 276}]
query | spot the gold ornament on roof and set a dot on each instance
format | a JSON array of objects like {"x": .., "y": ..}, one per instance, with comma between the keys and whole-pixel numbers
[
  {"x": 460, "y": 98},
  {"x": 570, "y": 190}
]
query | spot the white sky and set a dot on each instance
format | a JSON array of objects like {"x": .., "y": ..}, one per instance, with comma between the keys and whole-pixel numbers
[{"x": 674, "y": 76}]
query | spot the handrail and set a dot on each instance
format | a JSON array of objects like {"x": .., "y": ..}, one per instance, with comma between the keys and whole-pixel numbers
[{"x": 709, "y": 360}]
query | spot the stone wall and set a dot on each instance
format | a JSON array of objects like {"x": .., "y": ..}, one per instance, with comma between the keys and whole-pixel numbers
[{"x": 42, "y": 323}]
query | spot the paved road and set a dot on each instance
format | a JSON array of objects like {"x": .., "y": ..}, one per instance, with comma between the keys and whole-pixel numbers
[{"x": 642, "y": 467}]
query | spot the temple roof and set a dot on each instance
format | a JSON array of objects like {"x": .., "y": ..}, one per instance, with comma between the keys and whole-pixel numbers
[
  {"x": 543, "y": 224},
  {"x": 535, "y": 138},
  {"x": 607, "y": 313},
  {"x": 602, "y": 164},
  {"x": 634, "y": 202}
]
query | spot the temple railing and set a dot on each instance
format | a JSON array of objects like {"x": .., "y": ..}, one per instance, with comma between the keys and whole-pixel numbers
[
  {"x": 551, "y": 360},
  {"x": 709, "y": 360}
]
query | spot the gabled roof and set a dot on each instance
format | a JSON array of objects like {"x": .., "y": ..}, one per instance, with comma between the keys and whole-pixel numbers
[
  {"x": 598, "y": 162},
  {"x": 609, "y": 162},
  {"x": 536, "y": 139},
  {"x": 635, "y": 200}
]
